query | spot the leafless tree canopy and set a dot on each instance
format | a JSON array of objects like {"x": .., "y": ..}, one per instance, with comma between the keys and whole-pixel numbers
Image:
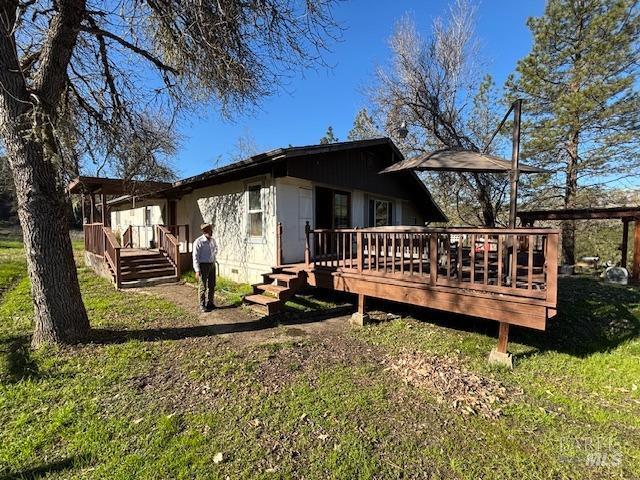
[
  {"x": 137, "y": 64},
  {"x": 434, "y": 85}
]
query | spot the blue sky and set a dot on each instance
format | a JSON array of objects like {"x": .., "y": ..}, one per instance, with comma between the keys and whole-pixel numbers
[{"x": 300, "y": 113}]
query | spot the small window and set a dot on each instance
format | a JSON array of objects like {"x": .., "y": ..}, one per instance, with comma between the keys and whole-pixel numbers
[
  {"x": 147, "y": 216},
  {"x": 380, "y": 213},
  {"x": 254, "y": 202}
]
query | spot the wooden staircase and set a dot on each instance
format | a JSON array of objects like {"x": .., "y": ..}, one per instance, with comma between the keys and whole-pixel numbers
[
  {"x": 144, "y": 268},
  {"x": 280, "y": 285}
]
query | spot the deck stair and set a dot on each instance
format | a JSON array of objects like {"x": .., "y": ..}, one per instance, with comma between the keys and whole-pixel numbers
[
  {"x": 144, "y": 268},
  {"x": 277, "y": 287}
]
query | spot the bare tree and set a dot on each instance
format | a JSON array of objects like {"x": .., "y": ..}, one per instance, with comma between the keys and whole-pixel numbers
[
  {"x": 431, "y": 85},
  {"x": 108, "y": 79}
]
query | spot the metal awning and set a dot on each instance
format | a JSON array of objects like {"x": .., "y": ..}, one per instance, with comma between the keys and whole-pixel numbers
[{"x": 454, "y": 160}]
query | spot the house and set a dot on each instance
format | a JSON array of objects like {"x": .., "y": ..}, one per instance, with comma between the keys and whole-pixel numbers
[
  {"x": 259, "y": 206},
  {"x": 324, "y": 216}
]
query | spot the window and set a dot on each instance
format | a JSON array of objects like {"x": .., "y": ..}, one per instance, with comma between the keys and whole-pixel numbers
[
  {"x": 380, "y": 213},
  {"x": 147, "y": 216},
  {"x": 341, "y": 210},
  {"x": 254, "y": 202}
]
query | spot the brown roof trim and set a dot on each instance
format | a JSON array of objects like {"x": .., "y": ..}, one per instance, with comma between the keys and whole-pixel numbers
[{"x": 113, "y": 186}]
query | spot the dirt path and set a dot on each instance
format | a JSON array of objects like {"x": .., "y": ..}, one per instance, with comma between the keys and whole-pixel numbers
[{"x": 243, "y": 326}]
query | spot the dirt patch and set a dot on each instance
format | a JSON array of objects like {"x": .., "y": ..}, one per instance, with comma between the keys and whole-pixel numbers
[
  {"x": 243, "y": 327},
  {"x": 451, "y": 384},
  {"x": 309, "y": 358}
]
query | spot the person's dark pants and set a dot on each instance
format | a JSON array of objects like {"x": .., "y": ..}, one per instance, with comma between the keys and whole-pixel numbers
[{"x": 207, "y": 284}]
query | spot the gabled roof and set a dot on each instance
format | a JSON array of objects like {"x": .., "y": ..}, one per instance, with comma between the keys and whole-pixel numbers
[
  {"x": 278, "y": 154},
  {"x": 264, "y": 162}
]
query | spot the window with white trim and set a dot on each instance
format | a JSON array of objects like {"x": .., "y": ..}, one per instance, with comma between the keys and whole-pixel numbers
[{"x": 255, "y": 210}]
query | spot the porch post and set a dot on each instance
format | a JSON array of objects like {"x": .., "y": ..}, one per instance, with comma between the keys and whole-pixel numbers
[
  {"x": 103, "y": 200},
  {"x": 625, "y": 242},
  {"x": 92, "y": 205},
  {"x": 82, "y": 201},
  {"x": 307, "y": 248},
  {"x": 279, "y": 244},
  {"x": 636, "y": 251}
]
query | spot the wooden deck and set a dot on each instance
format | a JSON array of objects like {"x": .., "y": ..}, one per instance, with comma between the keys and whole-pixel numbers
[
  {"x": 131, "y": 266},
  {"x": 506, "y": 275}
]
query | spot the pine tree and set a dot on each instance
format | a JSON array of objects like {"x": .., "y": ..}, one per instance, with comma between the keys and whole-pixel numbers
[
  {"x": 364, "y": 127},
  {"x": 581, "y": 98},
  {"x": 329, "y": 137}
]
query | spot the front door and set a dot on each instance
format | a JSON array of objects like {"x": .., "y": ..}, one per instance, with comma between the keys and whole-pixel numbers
[
  {"x": 333, "y": 208},
  {"x": 333, "y": 211}
]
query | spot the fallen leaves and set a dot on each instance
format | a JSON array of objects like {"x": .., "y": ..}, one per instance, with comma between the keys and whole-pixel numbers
[{"x": 464, "y": 391}]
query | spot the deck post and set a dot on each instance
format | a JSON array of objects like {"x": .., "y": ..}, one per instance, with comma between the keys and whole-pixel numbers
[
  {"x": 307, "y": 248},
  {"x": 499, "y": 355},
  {"x": 92, "y": 206},
  {"x": 433, "y": 258},
  {"x": 82, "y": 203},
  {"x": 636, "y": 251},
  {"x": 118, "y": 267},
  {"x": 360, "y": 318},
  {"x": 103, "y": 202},
  {"x": 359, "y": 259},
  {"x": 624, "y": 247}
]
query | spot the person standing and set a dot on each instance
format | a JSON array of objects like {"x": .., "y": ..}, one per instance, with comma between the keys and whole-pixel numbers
[{"x": 204, "y": 264}]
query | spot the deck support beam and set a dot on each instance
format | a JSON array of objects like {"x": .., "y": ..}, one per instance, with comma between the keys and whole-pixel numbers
[
  {"x": 360, "y": 318},
  {"x": 499, "y": 355}
]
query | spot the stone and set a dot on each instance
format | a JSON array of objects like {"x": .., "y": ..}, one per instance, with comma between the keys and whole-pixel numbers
[
  {"x": 499, "y": 358},
  {"x": 359, "y": 319}
]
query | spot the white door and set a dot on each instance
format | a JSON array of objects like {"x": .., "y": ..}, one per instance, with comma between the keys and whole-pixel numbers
[{"x": 305, "y": 209}]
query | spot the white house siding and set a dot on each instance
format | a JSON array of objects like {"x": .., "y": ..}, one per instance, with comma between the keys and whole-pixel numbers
[
  {"x": 123, "y": 215},
  {"x": 240, "y": 257}
]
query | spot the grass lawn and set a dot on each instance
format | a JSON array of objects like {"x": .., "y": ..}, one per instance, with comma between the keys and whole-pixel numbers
[{"x": 140, "y": 406}]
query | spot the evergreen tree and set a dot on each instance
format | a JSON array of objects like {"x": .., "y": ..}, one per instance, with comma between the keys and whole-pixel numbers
[
  {"x": 329, "y": 137},
  {"x": 581, "y": 99},
  {"x": 364, "y": 127}
]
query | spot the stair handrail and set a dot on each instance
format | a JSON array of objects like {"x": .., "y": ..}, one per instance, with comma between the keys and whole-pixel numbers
[
  {"x": 127, "y": 237},
  {"x": 169, "y": 244},
  {"x": 112, "y": 253}
]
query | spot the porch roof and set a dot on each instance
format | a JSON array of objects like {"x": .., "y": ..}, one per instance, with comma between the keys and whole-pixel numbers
[{"x": 114, "y": 186}]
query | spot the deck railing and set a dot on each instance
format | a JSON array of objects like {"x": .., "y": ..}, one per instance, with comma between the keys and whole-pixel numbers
[
  {"x": 181, "y": 232},
  {"x": 94, "y": 238},
  {"x": 101, "y": 241},
  {"x": 112, "y": 254},
  {"x": 145, "y": 236},
  {"x": 521, "y": 262},
  {"x": 127, "y": 237},
  {"x": 169, "y": 244}
]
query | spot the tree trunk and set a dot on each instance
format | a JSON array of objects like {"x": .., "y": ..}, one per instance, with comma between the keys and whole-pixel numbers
[
  {"x": 568, "y": 227},
  {"x": 60, "y": 315}
]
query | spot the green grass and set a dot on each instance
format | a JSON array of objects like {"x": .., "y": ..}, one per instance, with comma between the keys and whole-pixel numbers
[{"x": 144, "y": 402}]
